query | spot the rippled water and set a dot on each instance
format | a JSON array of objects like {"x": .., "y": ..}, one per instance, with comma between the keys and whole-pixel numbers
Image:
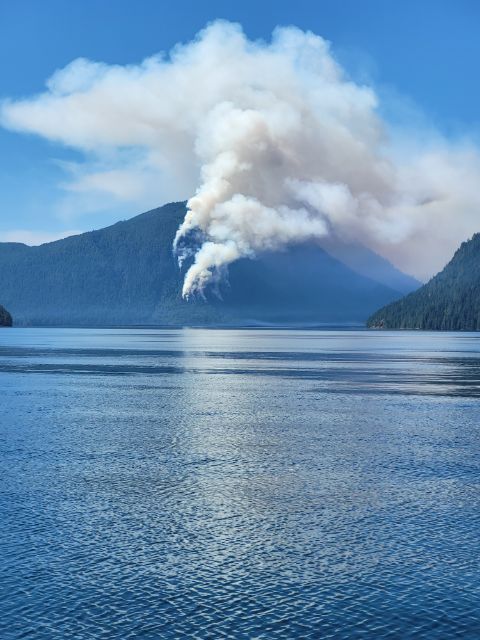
[{"x": 239, "y": 484}]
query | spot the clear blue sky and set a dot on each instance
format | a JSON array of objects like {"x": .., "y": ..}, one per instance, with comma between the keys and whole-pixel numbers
[{"x": 426, "y": 50}]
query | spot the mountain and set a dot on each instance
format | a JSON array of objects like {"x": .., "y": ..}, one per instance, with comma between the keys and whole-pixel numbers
[
  {"x": 450, "y": 301},
  {"x": 369, "y": 264},
  {"x": 5, "y": 317},
  {"x": 126, "y": 274}
]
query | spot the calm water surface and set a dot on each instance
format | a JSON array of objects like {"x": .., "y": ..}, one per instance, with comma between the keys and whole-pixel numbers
[{"x": 239, "y": 484}]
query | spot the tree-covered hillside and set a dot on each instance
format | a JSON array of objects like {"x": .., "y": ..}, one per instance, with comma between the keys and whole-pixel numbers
[
  {"x": 449, "y": 301},
  {"x": 5, "y": 317},
  {"x": 126, "y": 274}
]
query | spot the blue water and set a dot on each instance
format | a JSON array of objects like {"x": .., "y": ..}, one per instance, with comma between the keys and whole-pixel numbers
[{"x": 239, "y": 484}]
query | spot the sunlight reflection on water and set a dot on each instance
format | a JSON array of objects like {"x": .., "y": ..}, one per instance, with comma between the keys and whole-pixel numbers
[{"x": 242, "y": 484}]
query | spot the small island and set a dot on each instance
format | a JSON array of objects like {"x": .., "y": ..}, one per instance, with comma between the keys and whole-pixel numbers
[{"x": 5, "y": 318}]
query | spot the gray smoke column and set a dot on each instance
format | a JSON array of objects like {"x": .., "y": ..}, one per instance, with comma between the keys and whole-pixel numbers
[
  {"x": 275, "y": 142},
  {"x": 291, "y": 149}
]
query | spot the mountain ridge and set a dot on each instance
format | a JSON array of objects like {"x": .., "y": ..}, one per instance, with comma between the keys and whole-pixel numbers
[{"x": 126, "y": 274}]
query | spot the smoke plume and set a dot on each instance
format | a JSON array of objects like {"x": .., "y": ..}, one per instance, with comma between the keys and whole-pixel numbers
[{"x": 274, "y": 143}]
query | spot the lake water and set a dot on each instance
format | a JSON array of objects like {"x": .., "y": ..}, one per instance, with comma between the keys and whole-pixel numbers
[{"x": 239, "y": 484}]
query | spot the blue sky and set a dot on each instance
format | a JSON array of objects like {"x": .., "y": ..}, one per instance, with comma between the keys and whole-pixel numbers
[{"x": 422, "y": 56}]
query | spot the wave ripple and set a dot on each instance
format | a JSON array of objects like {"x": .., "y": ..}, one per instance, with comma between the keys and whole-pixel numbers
[{"x": 239, "y": 484}]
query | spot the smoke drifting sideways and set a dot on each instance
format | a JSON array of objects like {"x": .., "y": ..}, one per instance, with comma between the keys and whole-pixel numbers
[{"x": 278, "y": 145}]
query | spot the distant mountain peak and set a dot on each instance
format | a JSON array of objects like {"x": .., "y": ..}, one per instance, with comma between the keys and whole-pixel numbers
[{"x": 369, "y": 264}]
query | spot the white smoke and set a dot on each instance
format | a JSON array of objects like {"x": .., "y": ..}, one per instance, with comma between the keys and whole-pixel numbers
[{"x": 277, "y": 144}]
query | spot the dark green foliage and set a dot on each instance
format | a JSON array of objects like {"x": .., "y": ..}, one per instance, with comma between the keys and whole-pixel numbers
[
  {"x": 126, "y": 275},
  {"x": 5, "y": 318},
  {"x": 450, "y": 301}
]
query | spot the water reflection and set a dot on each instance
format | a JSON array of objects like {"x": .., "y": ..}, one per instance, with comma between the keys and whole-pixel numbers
[
  {"x": 339, "y": 362},
  {"x": 243, "y": 484}
]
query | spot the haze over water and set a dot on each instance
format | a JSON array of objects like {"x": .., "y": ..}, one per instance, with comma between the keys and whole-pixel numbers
[{"x": 239, "y": 484}]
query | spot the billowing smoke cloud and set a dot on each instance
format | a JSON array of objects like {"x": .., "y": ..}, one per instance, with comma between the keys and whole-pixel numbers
[{"x": 274, "y": 141}]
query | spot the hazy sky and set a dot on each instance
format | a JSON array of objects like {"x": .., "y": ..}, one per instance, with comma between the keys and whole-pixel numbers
[{"x": 421, "y": 57}]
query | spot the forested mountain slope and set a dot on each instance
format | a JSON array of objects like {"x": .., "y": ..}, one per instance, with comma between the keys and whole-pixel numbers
[
  {"x": 126, "y": 274},
  {"x": 449, "y": 301},
  {"x": 5, "y": 317}
]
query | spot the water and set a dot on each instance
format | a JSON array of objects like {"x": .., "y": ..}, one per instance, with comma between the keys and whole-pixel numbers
[{"x": 239, "y": 484}]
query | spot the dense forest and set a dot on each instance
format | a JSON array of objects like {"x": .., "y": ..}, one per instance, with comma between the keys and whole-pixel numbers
[
  {"x": 126, "y": 274},
  {"x": 449, "y": 301}
]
